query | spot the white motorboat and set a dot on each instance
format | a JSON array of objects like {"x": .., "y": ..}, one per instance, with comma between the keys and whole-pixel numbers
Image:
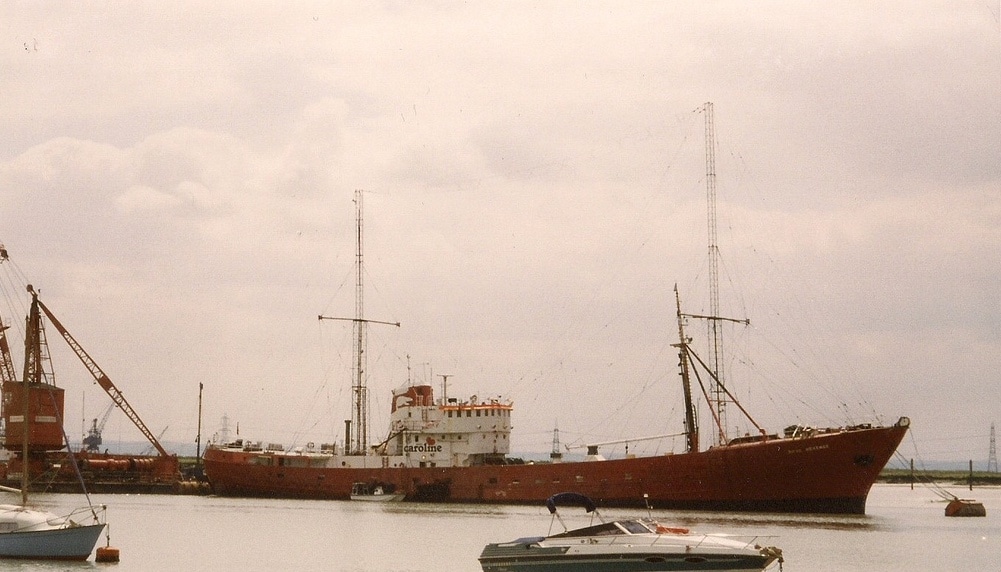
[{"x": 625, "y": 545}]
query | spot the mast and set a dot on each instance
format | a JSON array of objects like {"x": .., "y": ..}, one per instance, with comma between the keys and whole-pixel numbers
[
  {"x": 31, "y": 353},
  {"x": 358, "y": 441},
  {"x": 35, "y": 354},
  {"x": 691, "y": 414},
  {"x": 198, "y": 437},
  {"x": 359, "y": 416},
  {"x": 444, "y": 387},
  {"x": 715, "y": 333}
]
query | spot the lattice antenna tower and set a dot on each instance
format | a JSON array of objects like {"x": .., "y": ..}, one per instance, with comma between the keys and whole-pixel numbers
[
  {"x": 357, "y": 443},
  {"x": 556, "y": 454},
  {"x": 992, "y": 456},
  {"x": 715, "y": 332},
  {"x": 360, "y": 413}
]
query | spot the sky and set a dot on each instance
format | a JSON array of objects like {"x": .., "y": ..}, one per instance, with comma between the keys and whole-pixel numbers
[{"x": 178, "y": 182}]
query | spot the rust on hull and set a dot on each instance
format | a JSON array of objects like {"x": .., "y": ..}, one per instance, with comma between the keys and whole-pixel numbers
[{"x": 828, "y": 473}]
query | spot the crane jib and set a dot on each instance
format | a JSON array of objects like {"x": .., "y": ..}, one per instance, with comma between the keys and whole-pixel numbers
[{"x": 102, "y": 379}]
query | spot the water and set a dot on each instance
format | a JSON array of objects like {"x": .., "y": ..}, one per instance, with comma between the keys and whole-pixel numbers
[{"x": 904, "y": 530}]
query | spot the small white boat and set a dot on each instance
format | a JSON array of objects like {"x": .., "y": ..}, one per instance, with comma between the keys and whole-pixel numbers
[
  {"x": 374, "y": 492},
  {"x": 626, "y": 545},
  {"x": 37, "y": 534}
]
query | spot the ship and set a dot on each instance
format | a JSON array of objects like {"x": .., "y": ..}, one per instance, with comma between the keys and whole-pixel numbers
[
  {"x": 447, "y": 450},
  {"x": 444, "y": 451}
]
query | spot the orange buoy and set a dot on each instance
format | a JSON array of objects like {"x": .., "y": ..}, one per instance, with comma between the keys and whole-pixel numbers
[
  {"x": 965, "y": 507},
  {"x": 106, "y": 554}
]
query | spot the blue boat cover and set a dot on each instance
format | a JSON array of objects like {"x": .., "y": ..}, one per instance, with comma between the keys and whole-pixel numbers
[{"x": 569, "y": 499}]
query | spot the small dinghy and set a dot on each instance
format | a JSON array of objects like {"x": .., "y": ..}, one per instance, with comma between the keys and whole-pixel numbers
[
  {"x": 625, "y": 545},
  {"x": 375, "y": 492}
]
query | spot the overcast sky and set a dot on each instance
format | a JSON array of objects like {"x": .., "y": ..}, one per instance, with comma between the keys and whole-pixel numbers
[{"x": 178, "y": 178}]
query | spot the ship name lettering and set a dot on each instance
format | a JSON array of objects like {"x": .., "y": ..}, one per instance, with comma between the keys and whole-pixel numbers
[
  {"x": 422, "y": 449},
  {"x": 808, "y": 449}
]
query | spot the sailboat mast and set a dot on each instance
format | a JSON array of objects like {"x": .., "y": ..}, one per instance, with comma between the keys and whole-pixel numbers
[
  {"x": 32, "y": 375},
  {"x": 715, "y": 334},
  {"x": 360, "y": 412}
]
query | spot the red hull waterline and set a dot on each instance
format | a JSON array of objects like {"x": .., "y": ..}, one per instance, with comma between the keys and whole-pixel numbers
[{"x": 824, "y": 473}]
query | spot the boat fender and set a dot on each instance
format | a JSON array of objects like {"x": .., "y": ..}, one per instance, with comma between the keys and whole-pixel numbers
[
  {"x": 661, "y": 529},
  {"x": 106, "y": 554}
]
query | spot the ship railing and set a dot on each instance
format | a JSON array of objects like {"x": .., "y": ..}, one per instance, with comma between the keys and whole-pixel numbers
[
  {"x": 749, "y": 540},
  {"x": 97, "y": 513}
]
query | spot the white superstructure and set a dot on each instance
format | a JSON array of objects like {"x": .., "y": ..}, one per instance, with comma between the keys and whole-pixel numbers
[{"x": 425, "y": 433}]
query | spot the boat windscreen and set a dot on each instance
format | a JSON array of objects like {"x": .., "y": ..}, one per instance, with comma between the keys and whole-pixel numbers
[
  {"x": 634, "y": 526},
  {"x": 604, "y": 529}
]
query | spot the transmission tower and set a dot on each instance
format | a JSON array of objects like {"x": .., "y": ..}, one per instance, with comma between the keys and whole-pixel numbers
[
  {"x": 556, "y": 455},
  {"x": 992, "y": 457}
]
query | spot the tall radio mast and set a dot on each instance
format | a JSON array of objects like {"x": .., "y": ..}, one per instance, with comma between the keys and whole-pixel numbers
[
  {"x": 358, "y": 442},
  {"x": 715, "y": 333}
]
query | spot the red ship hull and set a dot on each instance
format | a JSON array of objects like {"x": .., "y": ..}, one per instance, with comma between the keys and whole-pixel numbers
[{"x": 825, "y": 473}]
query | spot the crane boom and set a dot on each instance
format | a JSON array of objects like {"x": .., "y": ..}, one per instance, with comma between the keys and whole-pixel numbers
[
  {"x": 102, "y": 379},
  {"x": 6, "y": 363}
]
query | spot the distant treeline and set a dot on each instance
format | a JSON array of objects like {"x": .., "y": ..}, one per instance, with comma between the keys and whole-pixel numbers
[{"x": 957, "y": 477}]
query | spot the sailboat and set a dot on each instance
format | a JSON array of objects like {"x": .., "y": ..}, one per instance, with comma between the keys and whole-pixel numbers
[
  {"x": 26, "y": 532},
  {"x": 444, "y": 449}
]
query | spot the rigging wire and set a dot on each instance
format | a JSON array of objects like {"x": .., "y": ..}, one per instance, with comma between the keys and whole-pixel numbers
[{"x": 927, "y": 482}]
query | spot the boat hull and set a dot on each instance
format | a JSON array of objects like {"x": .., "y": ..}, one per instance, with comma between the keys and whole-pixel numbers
[
  {"x": 72, "y": 543},
  {"x": 496, "y": 558},
  {"x": 826, "y": 473},
  {"x": 379, "y": 498}
]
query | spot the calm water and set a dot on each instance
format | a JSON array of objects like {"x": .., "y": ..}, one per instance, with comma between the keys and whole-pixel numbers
[{"x": 904, "y": 530}]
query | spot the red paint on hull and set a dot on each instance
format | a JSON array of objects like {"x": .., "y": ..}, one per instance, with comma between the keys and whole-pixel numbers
[{"x": 827, "y": 473}]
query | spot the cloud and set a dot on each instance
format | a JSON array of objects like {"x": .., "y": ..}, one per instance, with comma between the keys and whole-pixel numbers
[{"x": 181, "y": 185}]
